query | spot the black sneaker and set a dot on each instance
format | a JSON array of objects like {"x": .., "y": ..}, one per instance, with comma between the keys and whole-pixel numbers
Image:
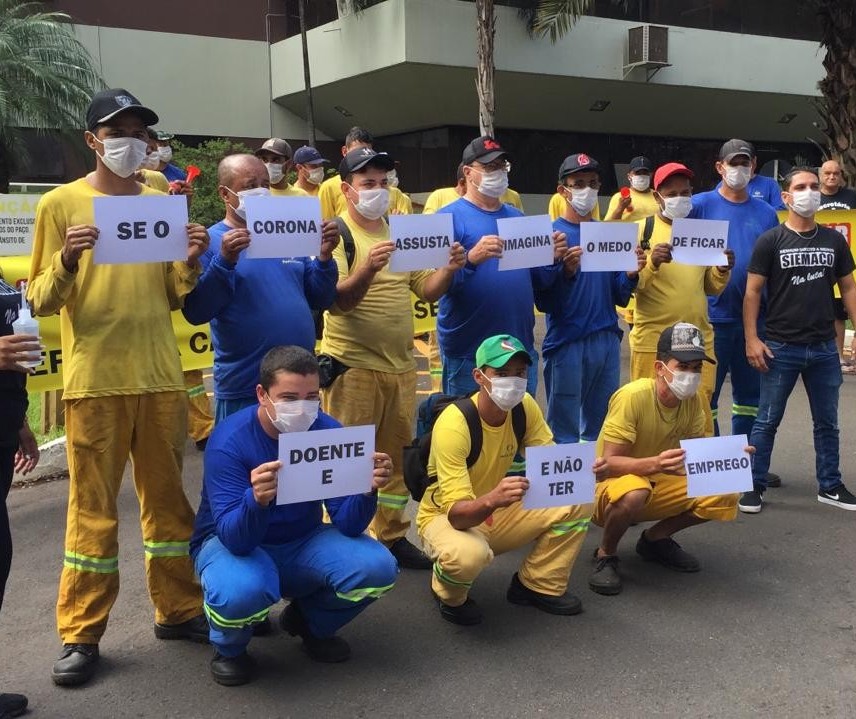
[
  {"x": 12, "y": 705},
  {"x": 839, "y": 497},
  {"x": 751, "y": 502},
  {"x": 232, "y": 671},
  {"x": 466, "y": 614},
  {"x": 195, "y": 630},
  {"x": 668, "y": 553},
  {"x": 605, "y": 578},
  {"x": 773, "y": 480},
  {"x": 408, "y": 556},
  {"x": 76, "y": 664},
  {"x": 329, "y": 650},
  {"x": 565, "y": 604}
]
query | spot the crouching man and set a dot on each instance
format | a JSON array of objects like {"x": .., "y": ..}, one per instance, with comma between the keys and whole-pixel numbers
[
  {"x": 250, "y": 552},
  {"x": 640, "y": 465},
  {"x": 475, "y": 512}
]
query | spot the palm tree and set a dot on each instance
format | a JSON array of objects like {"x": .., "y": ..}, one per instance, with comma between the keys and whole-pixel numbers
[
  {"x": 46, "y": 77},
  {"x": 554, "y": 17}
]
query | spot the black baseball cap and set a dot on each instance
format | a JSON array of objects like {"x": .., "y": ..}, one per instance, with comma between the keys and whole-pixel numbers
[
  {"x": 684, "y": 342},
  {"x": 732, "y": 148},
  {"x": 106, "y": 104},
  {"x": 276, "y": 146},
  {"x": 641, "y": 163},
  {"x": 483, "y": 149},
  {"x": 361, "y": 157},
  {"x": 579, "y": 162}
]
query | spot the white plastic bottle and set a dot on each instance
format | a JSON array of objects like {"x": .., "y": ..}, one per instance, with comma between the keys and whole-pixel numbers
[{"x": 26, "y": 324}]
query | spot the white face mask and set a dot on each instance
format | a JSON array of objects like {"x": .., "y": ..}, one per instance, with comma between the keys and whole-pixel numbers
[
  {"x": 494, "y": 184},
  {"x": 373, "y": 204},
  {"x": 165, "y": 153},
  {"x": 640, "y": 183},
  {"x": 676, "y": 208},
  {"x": 241, "y": 210},
  {"x": 805, "y": 202},
  {"x": 737, "y": 176},
  {"x": 583, "y": 201},
  {"x": 506, "y": 392},
  {"x": 150, "y": 161},
  {"x": 392, "y": 178},
  {"x": 295, "y": 415},
  {"x": 275, "y": 172},
  {"x": 683, "y": 384},
  {"x": 123, "y": 155},
  {"x": 315, "y": 175}
]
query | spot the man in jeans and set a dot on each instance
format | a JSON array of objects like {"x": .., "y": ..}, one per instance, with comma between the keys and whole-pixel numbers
[{"x": 799, "y": 262}]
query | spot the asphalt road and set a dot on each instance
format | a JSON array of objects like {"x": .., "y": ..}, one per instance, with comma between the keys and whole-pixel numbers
[{"x": 765, "y": 630}]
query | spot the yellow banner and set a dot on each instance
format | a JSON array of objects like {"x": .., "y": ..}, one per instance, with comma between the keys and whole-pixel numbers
[
  {"x": 424, "y": 315},
  {"x": 194, "y": 343}
]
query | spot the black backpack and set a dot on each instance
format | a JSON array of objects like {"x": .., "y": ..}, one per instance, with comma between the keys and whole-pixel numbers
[
  {"x": 350, "y": 252},
  {"x": 414, "y": 462}
]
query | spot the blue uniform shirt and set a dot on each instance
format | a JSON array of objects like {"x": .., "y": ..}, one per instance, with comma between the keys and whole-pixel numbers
[
  {"x": 172, "y": 173},
  {"x": 764, "y": 188}
]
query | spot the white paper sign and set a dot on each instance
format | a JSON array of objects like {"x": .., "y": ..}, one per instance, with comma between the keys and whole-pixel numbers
[
  {"x": 717, "y": 465},
  {"x": 17, "y": 222},
  {"x": 325, "y": 463},
  {"x": 528, "y": 242},
  {"x": 148, "y": 228},
  {"x": 608, "y": 246},
  {"x": 700, "y": 242},
  {"x": 559, "y": 475},
  {"x": 422, "y": 242},
  {"x": 283, "y": 227}
]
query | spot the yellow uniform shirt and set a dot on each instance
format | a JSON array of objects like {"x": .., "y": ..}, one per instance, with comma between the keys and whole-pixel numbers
[
  {"x": 156, "y": 180},
  {"x": 557, "y": 206},
  {"x": 636, "y": 417},
  {"x": 117, "y": 336},
  {"x": 333, "y": 202},
  {"x": 378, "y": 333},
  {"x": 450, "y": 445},
  {"x": 672, "y": 293},
  {"x": 288, "y": 191},
  {"x": 643, "y": 204},
  {"x": 440, "y": 198},
  {"x": 510, "y": 197}
]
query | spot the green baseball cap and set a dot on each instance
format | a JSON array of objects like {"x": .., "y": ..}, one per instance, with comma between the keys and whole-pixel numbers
[{"x": 497, "y": 350}]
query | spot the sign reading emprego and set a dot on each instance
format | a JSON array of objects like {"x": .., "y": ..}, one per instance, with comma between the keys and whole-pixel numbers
[
  {"x": 559, "y": 475},
  {"x": 324, "y": 464},
  {"x": 140, "y": 229},
  {"x": 717, "y": 465},
  {"x": 527, "y": 242},
  {"x": 700, "y": 242},
  {"x": 422, "y": 242},
  {"x": 283, "y": 227},
  {"x": 608, "y": 246},
  {"x": 17, "y": 222}
]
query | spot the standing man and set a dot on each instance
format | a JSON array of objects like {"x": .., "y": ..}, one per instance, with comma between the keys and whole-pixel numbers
[
  {"x": 276, "y": 154},
  {"x": 309, "y": 165},
  {"x": 254, "y": 304},
  {"x": 170, "y": 171},
  {"x": 640, "y": 202},
  {"x": 582, "y": 362},
  {"x": 798, "y": 263},
  {"x": 748, "y": 218},
  {"x": 443, "y": 196},
  {"x": 760, "y": 187},
  {"x": 368, "y": 333},
  {"x": 115, "y": 409}
]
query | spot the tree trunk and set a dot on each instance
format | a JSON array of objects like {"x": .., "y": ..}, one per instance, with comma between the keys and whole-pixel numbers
[
  {"x": 485, "y": 71},
  {"x": 837, "y": 106},
  {"x": 310, "y": 107}
]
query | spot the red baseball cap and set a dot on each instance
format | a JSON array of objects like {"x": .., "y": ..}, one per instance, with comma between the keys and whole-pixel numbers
[{"x": 664, "y": 172}]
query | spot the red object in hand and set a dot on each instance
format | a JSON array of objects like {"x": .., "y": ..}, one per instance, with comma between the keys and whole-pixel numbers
[
  {"x": 625, "y": 193},
  {"x": 192, "y": 173}
]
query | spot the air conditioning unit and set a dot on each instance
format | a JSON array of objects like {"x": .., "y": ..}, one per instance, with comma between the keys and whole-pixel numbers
[{"x": 648, "y": 48}]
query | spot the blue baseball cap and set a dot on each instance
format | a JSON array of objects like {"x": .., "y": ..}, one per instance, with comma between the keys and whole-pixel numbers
[{"x": 308, "y": 156}]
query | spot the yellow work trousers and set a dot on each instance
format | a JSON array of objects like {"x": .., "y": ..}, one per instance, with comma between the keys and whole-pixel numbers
[
  {"x": 642, "y": 365},
  {"x": 101, "y": 432},
  {"x": 461, "y": 555},
  {"x": 200, "y": 422},
  {"x": 362, "y": 396},
  {"x": 435, "y": 363}
]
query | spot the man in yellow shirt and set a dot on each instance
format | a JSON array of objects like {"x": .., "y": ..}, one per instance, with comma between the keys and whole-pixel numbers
[
  {"x": 640, "y": 465},
  {"x": 638, "y": 202},
  {"x": 667, "y": 291},
  {"x": 473, "y": 513},
  {"x": 369, "y": 332},
  {"x": 309, "y": 165},
  {"x": 443, "y": 196},
  {"x": 124, "y": 394},
  {"x": 276, "y": 154}
]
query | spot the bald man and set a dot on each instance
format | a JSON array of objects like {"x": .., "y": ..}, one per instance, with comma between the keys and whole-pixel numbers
[{"x": 254, "y": 305}]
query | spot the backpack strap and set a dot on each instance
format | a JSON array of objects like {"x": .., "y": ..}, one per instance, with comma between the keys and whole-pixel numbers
[
  {"x": 348, "y": 243},
  {"x": 471, "y": 414},
  {"x": 518, "y": 423},
  {"x": 647, "y": 233}
]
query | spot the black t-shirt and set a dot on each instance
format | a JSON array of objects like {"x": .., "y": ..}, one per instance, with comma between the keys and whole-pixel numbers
[
  {"x": 801, "y": 272},
  {"x": 844, "y": 199},
  {"x": 13, "y": 393}
]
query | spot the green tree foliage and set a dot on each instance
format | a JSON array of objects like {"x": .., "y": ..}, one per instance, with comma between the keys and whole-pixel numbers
[{"x": 207, "y": 207}]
